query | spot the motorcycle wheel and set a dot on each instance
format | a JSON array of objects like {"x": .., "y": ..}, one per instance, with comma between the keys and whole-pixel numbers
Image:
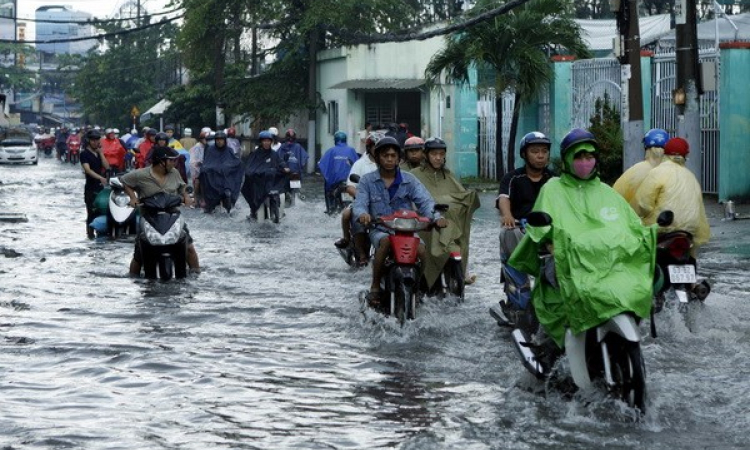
[
  {"x": 180, "y": 261},
  {"x": 456, "y": 282},
  {"x": 405, "y": 304},
  {"x": 165, "y": 267},
  {"x": 628, "y": 372}
]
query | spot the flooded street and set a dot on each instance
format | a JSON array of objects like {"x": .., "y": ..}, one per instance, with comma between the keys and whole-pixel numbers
[{"x": 268, "y": 348}]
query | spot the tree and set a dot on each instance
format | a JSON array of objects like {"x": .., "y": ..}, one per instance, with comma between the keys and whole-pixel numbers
[
  {"x": 16, "y": 77},
  {"x": 606, "y": 126},
  {"x": 516, "y": 46}
]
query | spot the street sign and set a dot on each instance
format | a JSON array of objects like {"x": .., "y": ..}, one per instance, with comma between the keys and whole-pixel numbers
[
  {"x": 135, "y": 112},
  {"x": 680, "y": 12}
]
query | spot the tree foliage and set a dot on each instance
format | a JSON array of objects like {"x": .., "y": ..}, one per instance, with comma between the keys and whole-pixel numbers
[
  {"x": 15, "y": 76},
  {"x": 133, "y": 70},
  {"x": 522, "y": 65},
  {"x": 606, "y": 126}
]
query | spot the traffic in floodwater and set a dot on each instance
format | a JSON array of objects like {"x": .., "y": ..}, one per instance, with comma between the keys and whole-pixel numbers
[{"x": 269, "y": 346}]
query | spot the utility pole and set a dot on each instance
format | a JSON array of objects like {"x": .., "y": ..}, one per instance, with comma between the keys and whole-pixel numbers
[
  {"x": 687, "y": 94},
  {"x": 630, "y": 61}
]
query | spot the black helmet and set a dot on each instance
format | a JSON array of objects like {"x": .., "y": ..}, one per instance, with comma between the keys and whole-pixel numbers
[
  {"x": 93, "y": 134},
  {"x": 574, "y": 137},
  {"x": 151, "y": 132},
  {"x": 386, "y": 142},
  {"x": 161, "y": 153},
  {"x": 221, "y": 134},
  {"x": 434, "y": 143},
  {"x": 162, "y": 137}
]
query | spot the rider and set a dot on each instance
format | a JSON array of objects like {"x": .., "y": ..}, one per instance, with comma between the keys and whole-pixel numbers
[
  {"x": 196, "y": 161},
  {"x": 94, "y": 165},
  {"x": 519, "y": 190},
  {"x": 264, "y": 172},
  {"x": 672, "y": 186},
  {"x": 445, "y": 188},
  {"x": 365, "y": 164},
  {"x": 335, "y": 167},
  {"x": 114, "y": 151},
  {"x": 172, "y": 142},
  {"x": 221, "y": 174},
  {"x": 188, "y": 141},
  {"x": 232, "y": 141},
  {"x": 383, "y": 192},
  {"x": 414, "y": 149},
  {"x": 160, "y": 177},
  {"x": 61, "y": 142},
  {"x": 143, "y": 156},
  {"x": 603, "y": 257},
  {"x": 295, "y": 157},
  {"x": 653, "y": 142},
  {"x": 275, "y": 145}
]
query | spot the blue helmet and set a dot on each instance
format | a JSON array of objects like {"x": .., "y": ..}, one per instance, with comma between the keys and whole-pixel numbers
[
  {"x": 574, "y": 137},
  {"x": 535, "y": 137},
  {"x": 655, "y": 138},
  {"x": 339, "y": 137},
  {"x": 265, "y": 135}
]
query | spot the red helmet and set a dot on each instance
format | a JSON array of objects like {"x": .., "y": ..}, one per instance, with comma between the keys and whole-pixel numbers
[
  {"x": 231, "y": 132},
  {"x": 677, "y": 146},
  {"x": 414, "y": 143},
  {"x": 290, "y": 133}
]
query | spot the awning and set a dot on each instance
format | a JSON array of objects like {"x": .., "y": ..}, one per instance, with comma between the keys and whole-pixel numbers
[
  {"x": 157, "y": 109},
  {"x": 381, "y": 84}
]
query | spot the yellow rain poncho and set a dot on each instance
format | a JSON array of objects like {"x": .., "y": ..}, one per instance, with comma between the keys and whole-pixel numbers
[
  {"x": 445, "y": 188},
  {"x": 672, "y": 186},
  {"x": 629, "y": 181}
]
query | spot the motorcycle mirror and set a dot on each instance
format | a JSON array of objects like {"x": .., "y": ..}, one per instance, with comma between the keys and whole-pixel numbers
[
  {"x": 665, "y": 218},
  {"x": 354, "y": 178},
  {"x": 538, "y": 219},
  {"x": 441, "y": 207}
]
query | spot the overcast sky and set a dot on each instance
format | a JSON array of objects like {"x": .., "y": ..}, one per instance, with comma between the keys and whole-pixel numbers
[{"x": 98, "y": 8}]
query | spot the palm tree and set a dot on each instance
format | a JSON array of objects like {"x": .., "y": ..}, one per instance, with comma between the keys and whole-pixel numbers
[{"x": 517, "y": 47}]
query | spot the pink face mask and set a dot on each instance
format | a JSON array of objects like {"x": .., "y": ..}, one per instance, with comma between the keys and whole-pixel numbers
[{"x": 583, "y": 167}]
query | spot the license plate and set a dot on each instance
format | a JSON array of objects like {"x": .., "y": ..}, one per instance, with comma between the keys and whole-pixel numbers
[
  {"x": 295, "y": 184},
  {"x": 681, "y": 274},
  {"x": 345, "y": 197}
]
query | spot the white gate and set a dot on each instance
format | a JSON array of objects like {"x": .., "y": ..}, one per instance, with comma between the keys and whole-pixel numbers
[
  {"x": 594, "y": 79},
  {"x": 487, "y": 116}
]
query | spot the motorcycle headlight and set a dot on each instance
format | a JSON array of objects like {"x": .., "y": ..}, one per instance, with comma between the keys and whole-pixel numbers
[
  {"x": 170, "y": 237},
  {"x": 122, "y": 200}
]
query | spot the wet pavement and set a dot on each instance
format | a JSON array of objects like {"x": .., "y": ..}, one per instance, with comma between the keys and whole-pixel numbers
[{"x": 268, "y": 348}]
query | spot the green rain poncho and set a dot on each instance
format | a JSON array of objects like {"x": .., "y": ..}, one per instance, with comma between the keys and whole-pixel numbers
[
  {"x": 604, "y": 256},
  {"x": 444, "y": 188}
]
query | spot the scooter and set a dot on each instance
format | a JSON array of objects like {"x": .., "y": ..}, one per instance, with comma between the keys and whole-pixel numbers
[
  {"x": 400, "y": 286},
  {"x": 272, "y": 206},
  {"x": 338, "y": 199},
  {"x": 74, "y": 151},
  {"x": 162, "y": 238},
  {"x": 121, "y": 217},
  {"x": 608, "y": 354},
  {"x": 349, "y": 254},
  {"x": 295, "y": 185},
  {"x": 452, "y": 278}
]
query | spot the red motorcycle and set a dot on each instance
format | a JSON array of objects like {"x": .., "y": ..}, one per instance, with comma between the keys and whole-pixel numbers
[
  {"x": 73, "y": 155},
  {"x": 47, "y": 145},
  {"x": 400, "y": 286}
]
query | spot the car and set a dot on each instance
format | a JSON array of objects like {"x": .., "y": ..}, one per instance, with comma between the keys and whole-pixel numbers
[{"x": 17, "y": 146}]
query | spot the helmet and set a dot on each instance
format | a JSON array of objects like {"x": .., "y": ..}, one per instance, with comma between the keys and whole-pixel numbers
[
  {"x": 161, "y": 153},
  {"x": 231, "y": 132},
  {"x": 151, "y": 132},
  {"x": 274, "y": 131},
  {"x": 340, "y": 136},
  {"x": 108, "y": 130},
  {"x": 535, "y": 137},
  {"x": 220, "y": 135},
  {"x": 204, "y": 135},
  {"x": 162, "y": 137},
  {"x": 414, "y": 143},
  {"x": 574, "y": 137},
  {"x": 655, "y": 137},
  {"x": 115, "y": 130},
  {"x": 373, "y": 138},
  {"x": 93, "y": 134},
  {"x": 169, "y": 127},
  {"x": 188, "y": 132},
  {"x": 206, "y": 130},
  {"x": 434, "y": 143},
  {"x": 677, "y": 146},
  {"x": 386, "y": 142},
  {"x": 265, "y": 135},
  {"x": 290, "y": 133}
]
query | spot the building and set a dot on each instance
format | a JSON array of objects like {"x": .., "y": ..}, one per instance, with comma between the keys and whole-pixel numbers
[{"x": 56, "y": 30}]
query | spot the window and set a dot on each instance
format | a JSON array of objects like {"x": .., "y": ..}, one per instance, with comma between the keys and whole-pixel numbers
[{"x": 333, "y": 116}]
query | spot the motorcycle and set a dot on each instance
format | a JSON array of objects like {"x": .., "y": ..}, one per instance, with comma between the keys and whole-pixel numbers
[
  {"x": 295, "y": 185},
  {"x": 121, "y": 217},
  {"x": 162, "y": 238},
  {"x": 400, "y": 286},
  {"x": 349, "y": 253},
  {"x": 678, "y": 269},
  {"x": 338, "y": 199},
  {"x": 608, "y": 354},
  {"x": 452, "y": 278},
  {"x": 73, "y": 155},
  {"x": 47, "y": 145},
  {"x": 272, "y": 206}
]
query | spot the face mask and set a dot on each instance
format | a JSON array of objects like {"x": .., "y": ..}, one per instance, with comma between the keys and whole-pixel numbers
[{"x": 583, "y": 167}]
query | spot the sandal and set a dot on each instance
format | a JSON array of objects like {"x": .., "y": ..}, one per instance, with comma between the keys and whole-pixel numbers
[
  {"x": 341, "y": 243},
  {"x": 373, "y": 299},
  {"x": 470, "y": 279}
]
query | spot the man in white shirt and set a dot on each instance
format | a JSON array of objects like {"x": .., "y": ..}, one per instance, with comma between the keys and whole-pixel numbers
[{"x": 363, "y": 135}]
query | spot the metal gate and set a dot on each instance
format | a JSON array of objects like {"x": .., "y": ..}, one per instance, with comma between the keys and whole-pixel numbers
[
  {"x": 594, "y": 79},
  {"x": 487, "y": 115},
  {"x": 664, "y": 113}
]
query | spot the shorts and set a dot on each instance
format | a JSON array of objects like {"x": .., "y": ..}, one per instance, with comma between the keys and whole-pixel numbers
[
  {"x": 354, "y": 224},
  {"x": 137, "y": 250},
  {"x": 509, "y": 239}
]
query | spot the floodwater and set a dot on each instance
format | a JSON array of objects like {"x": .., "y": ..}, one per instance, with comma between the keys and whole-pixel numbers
[{"x": 268, "y": 348}]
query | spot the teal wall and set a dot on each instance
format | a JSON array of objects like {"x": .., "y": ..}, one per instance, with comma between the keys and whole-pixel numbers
[
  {"x": 647, "y": 84},
  {"x": 466, "y": 160},
  {"x": 561, "y": 107},
  {"x": 734, "y": 123},
  {"x": 528, "y": 121}
]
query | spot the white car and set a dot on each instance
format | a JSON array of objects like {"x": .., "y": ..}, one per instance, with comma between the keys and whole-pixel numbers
[{"x": 17, "y": 146}]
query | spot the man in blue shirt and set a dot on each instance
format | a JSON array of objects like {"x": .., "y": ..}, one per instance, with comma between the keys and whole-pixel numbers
[
  {"x": 335, "y": 167},
  {"x": 383, "y": 192}
]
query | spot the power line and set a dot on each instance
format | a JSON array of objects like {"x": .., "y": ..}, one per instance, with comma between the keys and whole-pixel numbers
[
  {"x": 91, "y": 21},
  {"x": 98, "y": 36}
]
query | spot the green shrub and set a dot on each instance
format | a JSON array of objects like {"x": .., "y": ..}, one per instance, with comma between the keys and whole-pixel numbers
[{"x": 606, "y": 126}]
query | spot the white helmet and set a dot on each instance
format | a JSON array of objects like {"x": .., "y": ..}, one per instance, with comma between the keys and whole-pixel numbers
[
  {"x": 274, "y": 131},
  {"x": 117, "y": 131},
  {"x": 109, "y": 130},
  {"x": 188, "y": 132},
  {"x": 206, "y": 130}
]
